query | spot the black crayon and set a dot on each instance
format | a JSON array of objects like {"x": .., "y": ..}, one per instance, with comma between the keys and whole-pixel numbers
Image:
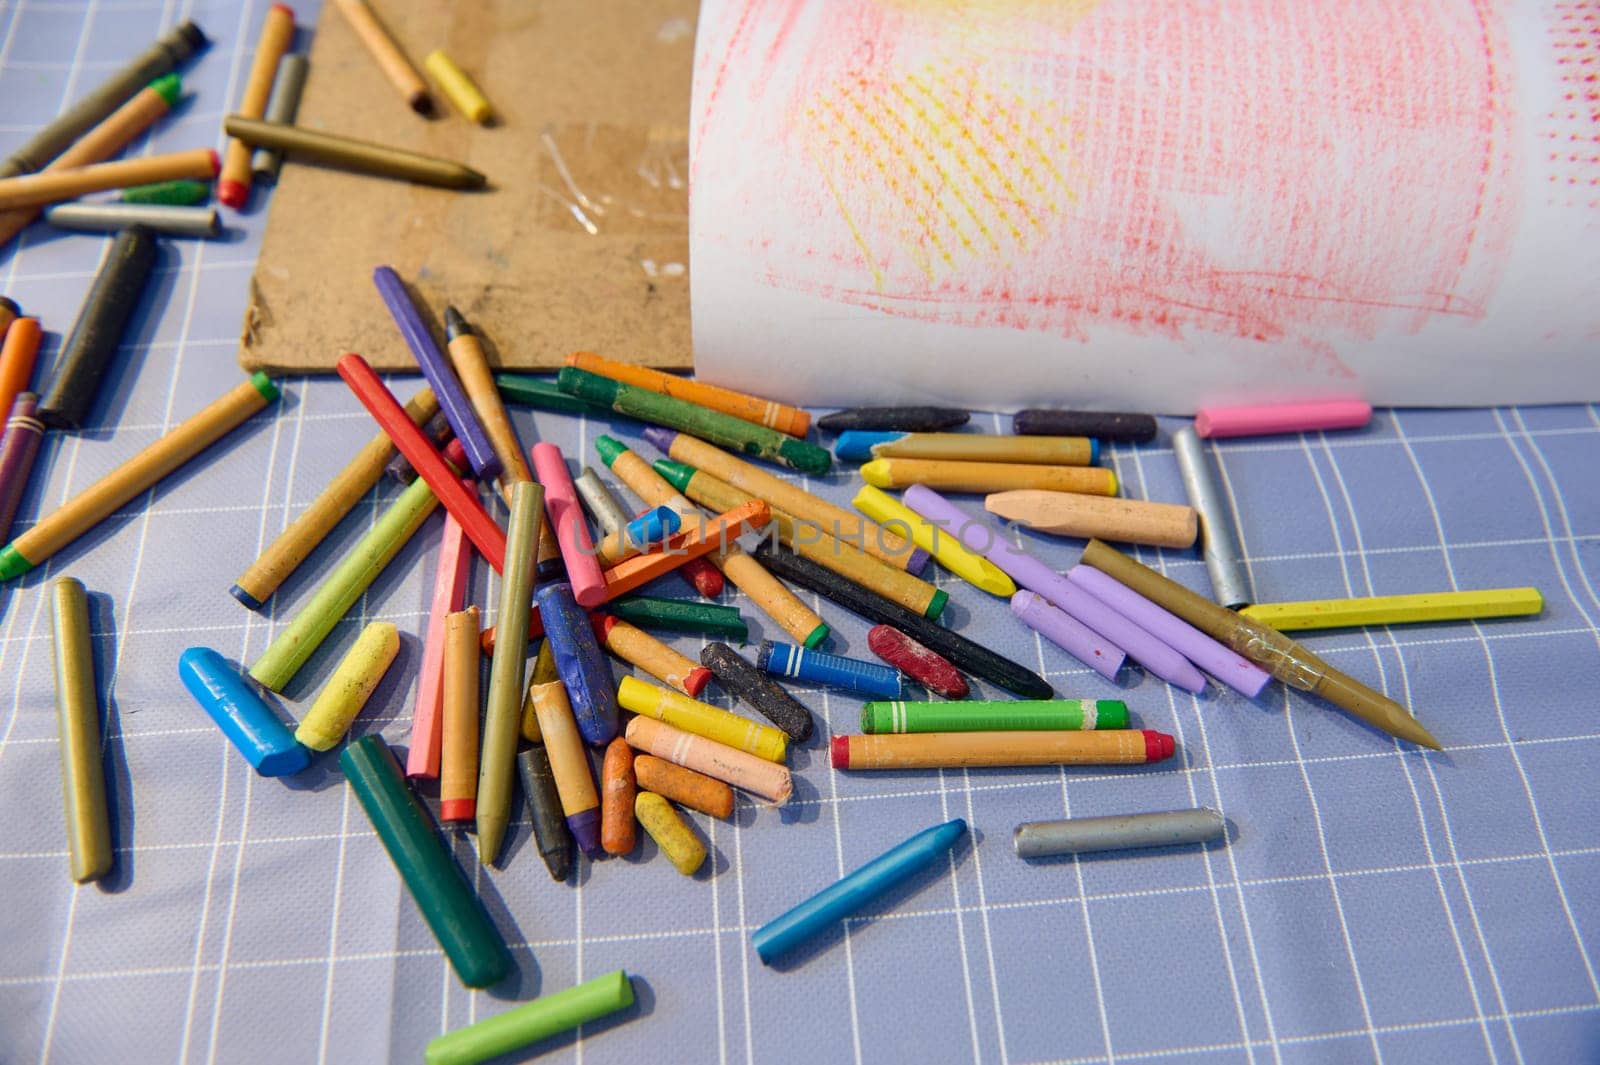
[
  {"x": 760, "y": 691},
  {"x": 905, "y": 419},
  {"x": 1102, "y": 425},
  {"x": 437, "y": 430},
  {"x": 544, "y": 808}
]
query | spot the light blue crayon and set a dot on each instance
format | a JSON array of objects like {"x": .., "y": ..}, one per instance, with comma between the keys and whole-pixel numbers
[
  {"x": 855, "y": 445},
  {"x": 652, "y": 527},
  {"x": 249, "y": 721}
]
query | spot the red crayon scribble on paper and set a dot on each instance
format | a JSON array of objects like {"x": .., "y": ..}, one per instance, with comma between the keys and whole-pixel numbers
[
  {"x": 1297, "y": 174},
  {"x": 1571, "y": 132}
]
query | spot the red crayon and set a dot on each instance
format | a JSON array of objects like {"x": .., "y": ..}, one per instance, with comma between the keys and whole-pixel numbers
[
  {"x": 922, "y": 664},
  {"x": 485, "y": 534}
]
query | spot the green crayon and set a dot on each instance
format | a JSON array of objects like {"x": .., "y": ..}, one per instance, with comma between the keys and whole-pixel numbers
[
  {"x": 722, "y": 429},
  {"x": 541, "y": 393},
  {"x": 181, "y": 193},
  {"x": 288, "y": 652},
  {"x": 532, "y": 1021},
  {"x": 1021, "y": 715},
  {"x": 680, "y": 615}
]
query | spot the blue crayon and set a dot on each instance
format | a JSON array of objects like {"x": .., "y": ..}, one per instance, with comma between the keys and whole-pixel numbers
[
  {"x": 652, "y": 527},
  {"x": 855, "y": 445},
  {"x": 836, "y": 671},
  {"x": 453, "y": 402},
  {"x": 856, "y": 891},
  {"x": 249, "y": 722},
  {"x": 583, "y": 667}
]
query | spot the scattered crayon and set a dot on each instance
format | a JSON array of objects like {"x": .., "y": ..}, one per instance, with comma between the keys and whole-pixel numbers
[
  {"x": 154, "y": 218},
  {"x": 185, "y": 192},
  {"x": 855, "y": 445},
  {"x": 458, "y": 87},
  {"x": 437, "y": 430},
  {"x": 571, "y": 530},
  {"x": 675, "y": 838},
  {"x": 708, "y": 424},
  {"x": 683, "y": 786},
  {"x": 1075, "y": 637},
  {"x": 542, "y": 394},
  {"x": 598, "y": 501},
  {"x": 1397, "y": 609},
  {"x": 53, "y": 186},
  {"x": 1101, "y": 425},
  {"x": 985, "y": 447},
  {"x": 757, "y": 691},
  {"x": 962, "y": 652},
  {"x": 925, "y": 666},
  {"x": 1084, "y": 835},
  {"x": 449, "y": 593},
  {"x": 945, "y": 750},
  {"x": 458, "y": 747},
  {"x": 1219, "y": 539},
  {"x": 940, "y": 543},
  {"x": 673, "y": 615},
  {"x": 901, "y": 419},
  {"x": 9, "y": 313},
  {"x": 97, "y": 334},
  {"x": 252, "y": 725},
  {"x": 643, "y": 651},
  {"x": 351, "y": 685},
  {"x": 820, "y": 667},
  {"x": 530, "y": 1022},
  {"x": 791, "y": 421},
  {"x": 857, "y": 890},
  {"x": 83, "y": 774},
  {"x": 617, "y": 792},
  {"x": 638, "y": 535},
  {"x": 1139, "y": 644},
  {"x": 756, "y": 775},
  {"x": 582, "y": 666},
  {"x": 18, "y": 450},
  {"x": 702, "y": 574},
  {"x": 550, "y": 833},
  {"x": 453, "y": 912},
  {"x": 85, "y": 510},
  {"x": 987, "y": 477},
  {"x": 1276, "y": 418},
  {"x": 277, "y": 33},
  {"x": 466, "y": 355},
  {"x": 396, "y": 68},
  {"x": 301, "y": 143},
  {"x": 690, "y": 715},
  {"x": 1011, "y": 715},
  {"x": 282, "y": 106},
  {"x": 1129, "y": 521},
  {"x": 569, "y": 763},
  {"x": 18, "y": 353},
  {"x": 714, "y": 535}
]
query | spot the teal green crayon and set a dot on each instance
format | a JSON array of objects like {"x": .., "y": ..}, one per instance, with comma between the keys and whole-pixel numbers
[
  {"x": 724, "y": 430},
  {"x": 680, "y": 615},
  {"x": 295, "y": 644},
  {"x": 541, "y": 393},
  {"x": 182, "y": 193},
  {"x": 453, "y": 911},
  {"x": 1021, "y": 715}
]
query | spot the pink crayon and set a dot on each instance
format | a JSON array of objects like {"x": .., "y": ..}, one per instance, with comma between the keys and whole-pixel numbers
[
  {"x": 1276, "y": 418},
  {"x": 572, "y": 531},
  {"x": 449, "y": 595}
]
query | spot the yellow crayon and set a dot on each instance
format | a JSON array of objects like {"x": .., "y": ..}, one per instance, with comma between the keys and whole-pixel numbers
[
  {"x": 691, "y": 715},
  {"x": 940, "y": 543},
  {"x": 351, "y": 685},
  {"x": 988, "y": 476},
  {"x": 458, "y": 87},
  {"x": 675, "y": 838},
  {"x": 1397, "y": 609}
]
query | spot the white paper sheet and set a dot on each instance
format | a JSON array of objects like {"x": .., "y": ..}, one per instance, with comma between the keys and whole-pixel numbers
[{"x": 1155, "y": 205}]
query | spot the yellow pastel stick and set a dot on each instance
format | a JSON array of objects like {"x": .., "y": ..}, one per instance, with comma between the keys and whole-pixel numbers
[
  {"x": 940, "y": 543},
  {"x": 462, "y": 92},
  {"x": 351, "y": 685},
  {"x": 1397, "y": 609},
  {"x": 675, "y": 838},
  {"x": 691, "y": 715}
]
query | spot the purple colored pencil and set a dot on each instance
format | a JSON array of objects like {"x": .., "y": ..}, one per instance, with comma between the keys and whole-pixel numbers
[
  {"x": 1231, "y": 668},
  {"x": 453, "y": 402},
  {"x": 1068, "y": 633},
  {"x": 17, "y": 452}
]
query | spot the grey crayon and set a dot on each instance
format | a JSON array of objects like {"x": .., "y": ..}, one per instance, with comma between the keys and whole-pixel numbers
[
  {"x": 602, "y": 506},
  {"x": 1219, "y": 542},
  {"x": 281, "y": 107},
  {"x": 1081, "y": 835},
  {"x": 156, "y": 217}
]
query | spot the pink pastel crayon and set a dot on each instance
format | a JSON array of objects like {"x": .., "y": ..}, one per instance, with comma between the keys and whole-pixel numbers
[
  {"x": 572, "y": 531},
  {"x": 1275, "y": 418},
  {"x": 449, "y": 595}
]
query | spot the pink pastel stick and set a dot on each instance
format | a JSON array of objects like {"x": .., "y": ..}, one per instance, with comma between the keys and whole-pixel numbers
[
  {"x": 1275, "y": 418},
  {"x": 449, "y": 593},
  {"x": 572, "y": 531}
]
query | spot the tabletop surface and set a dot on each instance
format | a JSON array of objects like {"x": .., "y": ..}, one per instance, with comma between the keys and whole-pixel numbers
[{"x": 1373, "y": 902}]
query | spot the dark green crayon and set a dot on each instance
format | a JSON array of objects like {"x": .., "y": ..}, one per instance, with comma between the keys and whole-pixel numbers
[
  {"x": 680, "y": 615},
  {"x": 452, "y": 910},
  {"x": 541, "y": 393},
  {"x": 724, "y": 430},
  {"x": 181, "y": 193},
  {"x": 544, "y": 808},
  {"x": 1001, "y": 715}
]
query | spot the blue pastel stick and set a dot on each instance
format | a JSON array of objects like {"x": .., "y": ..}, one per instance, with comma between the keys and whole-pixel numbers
[
  {"x": 836, "y": 671},
  {"x": 249, "y": 722},
  {"x": 652, "y": 527},
  {"x": 441, "y": 377},
  {"x": 855, "y": 445},
  {"x": 583, "y": 667},
  {"x": 856, "y": 891}
]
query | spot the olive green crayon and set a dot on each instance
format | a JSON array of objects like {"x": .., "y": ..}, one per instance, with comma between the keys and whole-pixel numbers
[
  {"x": 183, "y": 192},
  {"x": 541, "y": 393},
  {"x": 532, "y": 1021},
  {"x": 301, "y": 144},
  {"x": 452, "y": 910},
  {"x": 713, "y": 426},
  {"x": 1019, "y": 715},
  {"x": 83, "y": 776},
  {"x": 680, "y": 615}
]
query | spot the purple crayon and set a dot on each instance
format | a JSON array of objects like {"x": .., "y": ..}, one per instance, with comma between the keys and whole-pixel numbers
[
  {"x": 453, "y": 402},
  {"x": 1230, "y": 667},
  {"x": 17, "y": 452},
  {"x": 1068, "y": 633}
]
